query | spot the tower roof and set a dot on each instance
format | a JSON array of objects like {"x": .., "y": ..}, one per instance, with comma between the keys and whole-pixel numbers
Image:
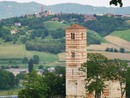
[{"x": 76, "y": 26}]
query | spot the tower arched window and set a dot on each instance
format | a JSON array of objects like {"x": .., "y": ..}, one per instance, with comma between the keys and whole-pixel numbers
[
  {"x": 72, "y": 35},
  {"x": 73, "y": 54},
  {"x": 82, "y": 35}
]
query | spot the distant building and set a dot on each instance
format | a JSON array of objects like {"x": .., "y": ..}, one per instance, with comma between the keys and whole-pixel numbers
[
  {"x": 109, "y": 15},
  {"x": 40, "y": 71},
  {"x": 14, "y": 31},
  {"x": 17, "y": 24},
  {"x": 44, "y": 14},
  {"x": 55, "y": 19},
  {"x": 89, "y": 17},
  {"x": 28, "y": 15},
  {"x": 17, "y": 71},
  {"x": 51, "y": 69},
  {"x": 126, "y": 16}
]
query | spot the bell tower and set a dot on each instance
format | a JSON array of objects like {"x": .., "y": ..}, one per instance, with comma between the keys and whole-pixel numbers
[{"x": 76, "y": 54}]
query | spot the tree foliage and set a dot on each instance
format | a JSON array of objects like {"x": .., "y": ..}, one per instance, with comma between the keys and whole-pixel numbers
[
  {"x": 30, "y": 65},
  {"x": 36, "y": 59},
  {"x": 47, "y": 85},
  {"x": 104, "y": 25},
  {"x": 35, "y": 86},
  {"x": 128, "y": 84},
  {"x": 56, "y": 83},
  {"x": 94, "y": 68},
  {"x": 122, "y": 50},
  {"x": 99, "y": 69},
  {"x": 118, "y": 71},
  {"x": 51, "y": 46},
  {"x": 7, "y": 80}
]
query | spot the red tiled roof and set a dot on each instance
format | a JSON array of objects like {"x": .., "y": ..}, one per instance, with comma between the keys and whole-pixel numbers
[{"x": 76, "y": 26}]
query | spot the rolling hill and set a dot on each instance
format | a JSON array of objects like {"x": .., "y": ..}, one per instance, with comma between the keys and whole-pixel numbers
[
  {"x": 19, "y": 51},
  {"x": 13, "y": 9},
  {"x": 124, "y": 34},
  {"x": 118, "y": 41},
  {"x": 53, "y": 25},
  {"x": 94, "y": 38}
]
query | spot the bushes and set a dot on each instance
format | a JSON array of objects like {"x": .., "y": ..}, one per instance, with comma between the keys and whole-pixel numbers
[
  {"x": 51, "y": 46},
  {"x": 14, "y": 60},
  {"x": 121, "y": 50},
  {"x": 7, "y": 80}
]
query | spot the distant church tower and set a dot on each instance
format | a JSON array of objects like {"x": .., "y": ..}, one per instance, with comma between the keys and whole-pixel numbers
[
  {"x": 42, "y": 9},
  {"x": 76, "y": 54}
]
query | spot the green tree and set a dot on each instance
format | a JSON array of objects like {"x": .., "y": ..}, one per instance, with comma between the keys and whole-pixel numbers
[
  {"x": 30, "y": 65},
  {"x": 118, "y": 71},
  {"x": 20, "y": 76},
  {"x": 25, "y": 60},
  {"x": 99, "y": 69},
  {"x": 107, "y": 49},
  {"x": 122, "y": 50},
  {"x": 7, "y": 80},
  {"x": 115, "y": 50},
  {"x": 40, "y": 67},
  {"x": 94, "y": 68},
  {"x": 128, "y": 84},
  {"x": 111, "y": 49},
  {"x": 35, "y": 86},
  {"x": 36, "y": 59},
  {"x": 56, "y": 83},
  {"x": 48, "y": 85}
]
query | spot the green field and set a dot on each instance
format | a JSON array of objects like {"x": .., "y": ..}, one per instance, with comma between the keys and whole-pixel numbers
[
  {"x": 53, "y": 25},
  {"x": 125, "y": 34},
  {"x": 10, "y": 92},
  {"x": 12, "y": 51},
  {"x": 19, "y": 51}
]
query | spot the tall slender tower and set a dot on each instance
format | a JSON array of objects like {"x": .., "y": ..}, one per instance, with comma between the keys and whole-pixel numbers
[
  {"x": 41, "y": 9},
  {"x": 76, "y": 54}
]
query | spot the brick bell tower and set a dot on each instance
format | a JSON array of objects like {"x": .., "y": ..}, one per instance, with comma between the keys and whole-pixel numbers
[{"x": 76, "y": 54}]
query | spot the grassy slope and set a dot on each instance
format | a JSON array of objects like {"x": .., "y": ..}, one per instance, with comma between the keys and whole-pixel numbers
[
  {"x": 94, "y": 36},
  {"x": 53, "y": 25},
  {"x": 19, "y": 51},
  {"x": 125, "y": 34}
]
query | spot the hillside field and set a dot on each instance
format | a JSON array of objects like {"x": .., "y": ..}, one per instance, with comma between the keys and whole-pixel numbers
[
  {"x": 109, "y": 55},
  {"x": 19, "y": 51},
  {"x": 102, "y": 47},
  {"x": 53, "y": 25},
  {"x": 124, "y": 34},
  {"x": 94, "y": 38},
  {"x": 118, "y": 41},
  {"x": 10, "y": 92}
]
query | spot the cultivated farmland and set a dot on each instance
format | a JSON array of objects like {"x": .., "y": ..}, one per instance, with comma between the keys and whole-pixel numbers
[{"x": 118, "y": 41}]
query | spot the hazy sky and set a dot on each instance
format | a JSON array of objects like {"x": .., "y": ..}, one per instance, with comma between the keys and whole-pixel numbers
[{"x": 88, "y": 2}]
